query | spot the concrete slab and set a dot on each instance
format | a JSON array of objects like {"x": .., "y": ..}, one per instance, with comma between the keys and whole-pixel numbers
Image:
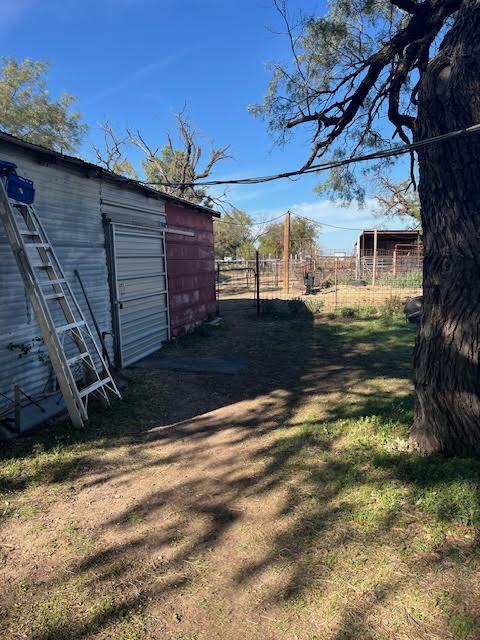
[{"x": 229, "y": 365}]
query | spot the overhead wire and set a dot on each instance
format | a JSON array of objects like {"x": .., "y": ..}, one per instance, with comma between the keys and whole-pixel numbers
[
  {"x": 251, "y": 224},
  {"x": 330, "y": 164},
  {"x": 324, "y": 224}
]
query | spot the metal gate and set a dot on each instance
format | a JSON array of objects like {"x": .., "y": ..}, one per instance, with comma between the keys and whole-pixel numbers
[{"x": 141, "y": 302}]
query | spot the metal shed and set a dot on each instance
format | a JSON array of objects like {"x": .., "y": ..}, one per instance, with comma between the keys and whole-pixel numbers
[{"x": 112, "y": 230}]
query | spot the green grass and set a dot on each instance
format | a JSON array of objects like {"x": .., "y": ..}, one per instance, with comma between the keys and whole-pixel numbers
[
  {"x": 360, "y": 508},
  {"x": 410, "y": 280},
  {"x": 60, "y": 453}
]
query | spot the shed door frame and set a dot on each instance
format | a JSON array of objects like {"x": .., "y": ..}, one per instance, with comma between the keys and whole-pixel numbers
[{"x": 117, "y": 300}]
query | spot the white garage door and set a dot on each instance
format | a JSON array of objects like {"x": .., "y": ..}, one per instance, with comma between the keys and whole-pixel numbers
[{"x": 141, "y": 291}]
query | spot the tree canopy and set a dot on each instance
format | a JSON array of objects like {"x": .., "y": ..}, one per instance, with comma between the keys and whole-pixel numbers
[
  {"x": 395, "y": 201},
  {"x": 303, "y": 234},
  {"x": 174, "y": 167},
  {"x": 233, "y": 235},
  {"x": 27, "y": 109},
  {"x": 353, "y": 78},
  {"x": 376, "y": 73},
  {"x": 177, "y": 166}
]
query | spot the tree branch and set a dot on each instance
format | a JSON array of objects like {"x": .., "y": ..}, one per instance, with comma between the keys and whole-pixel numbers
[
  {"x": 410, "y": 6},
  {"x": 405, "y": 51}
]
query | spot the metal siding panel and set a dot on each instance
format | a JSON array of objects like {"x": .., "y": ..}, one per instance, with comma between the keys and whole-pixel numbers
[
  {"x": 130, "y": 199},
  {"x": 68, "y": 203},
  {"x": 141, "y": 285},
  {"x": 191, "y": 269}
]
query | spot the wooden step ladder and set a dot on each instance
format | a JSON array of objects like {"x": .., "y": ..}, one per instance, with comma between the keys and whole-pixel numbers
[{"x": 77, "y": 361}]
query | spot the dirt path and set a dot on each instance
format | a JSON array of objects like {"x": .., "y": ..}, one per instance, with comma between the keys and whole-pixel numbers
[{"x": 203, "y": 517}]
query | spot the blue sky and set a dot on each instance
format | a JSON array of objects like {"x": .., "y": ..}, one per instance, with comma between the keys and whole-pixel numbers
[{"x": 136, "y": 62}]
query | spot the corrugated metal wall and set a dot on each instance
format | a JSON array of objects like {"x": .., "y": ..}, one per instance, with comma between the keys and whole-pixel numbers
[
  {"x": 191, "y": 269},
  {"x": 141, "y": 300},
  {"x": 69, "y": 205}
]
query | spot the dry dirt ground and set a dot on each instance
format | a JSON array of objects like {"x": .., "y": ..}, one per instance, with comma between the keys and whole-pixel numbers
[
  {"x": 272, "y": 504},
  {"x": 341, "y": 297}
]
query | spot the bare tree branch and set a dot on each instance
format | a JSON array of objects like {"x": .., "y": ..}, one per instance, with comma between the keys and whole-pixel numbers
[{"x": 175, "y": 170}]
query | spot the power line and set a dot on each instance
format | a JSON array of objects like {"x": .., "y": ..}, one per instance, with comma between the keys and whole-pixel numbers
[
  {"x": 251, "y": 224},
  {"x": 318, "y": 223},
  {"x": 325, "y": 224},
  {"x": 329, "y": 164}
]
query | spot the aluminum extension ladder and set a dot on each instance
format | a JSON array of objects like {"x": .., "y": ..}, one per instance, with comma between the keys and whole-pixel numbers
[{"x": 77, "y": 361}]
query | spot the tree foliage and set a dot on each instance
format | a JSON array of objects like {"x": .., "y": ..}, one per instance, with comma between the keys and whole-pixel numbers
[
  {"x": 353, "y": 77},
  {"x": 28, "y": 111},
  {"x": 303, "y": 234},
  {"x": 397, "y": 202},
  {"x": 176, "y": 167},
  {"x": 233, "y": 235},
  {"x": 111, "y": 154}
]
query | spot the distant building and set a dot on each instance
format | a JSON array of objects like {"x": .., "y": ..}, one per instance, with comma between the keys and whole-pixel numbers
[
  {"x": 396, "y": 251},
  {"x": 387, "y": 241}
]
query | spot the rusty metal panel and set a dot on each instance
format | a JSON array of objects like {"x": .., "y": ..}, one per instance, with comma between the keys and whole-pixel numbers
[{"x": 191, "y": 268}]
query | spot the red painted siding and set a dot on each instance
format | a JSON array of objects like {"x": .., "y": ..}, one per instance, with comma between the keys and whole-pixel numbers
[{"x": 191, "y": 268}]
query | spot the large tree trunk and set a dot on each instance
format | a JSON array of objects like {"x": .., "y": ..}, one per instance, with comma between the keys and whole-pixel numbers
[{"x": 447, "y": 371}]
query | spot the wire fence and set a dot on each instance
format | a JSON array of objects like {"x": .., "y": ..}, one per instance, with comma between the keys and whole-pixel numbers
[{"x": 334, "y": 281}]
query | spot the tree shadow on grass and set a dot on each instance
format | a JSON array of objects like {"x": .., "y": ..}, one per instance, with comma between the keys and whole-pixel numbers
[{"x": 295, "y": 511}]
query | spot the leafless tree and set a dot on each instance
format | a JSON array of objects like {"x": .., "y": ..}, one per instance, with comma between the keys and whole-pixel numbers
[
  {"x": 176, "y": 169},
  {"x": 112, "y": 154}
]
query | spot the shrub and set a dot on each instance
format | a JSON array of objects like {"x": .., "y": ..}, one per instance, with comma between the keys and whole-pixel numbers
[
  {"x": 347, "y": 312},
  {"x": 369, "y": 311},
  {"x": 392, "y": 306}
]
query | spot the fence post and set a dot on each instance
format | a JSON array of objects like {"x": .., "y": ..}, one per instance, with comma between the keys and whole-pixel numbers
[
  {"x": 336, "y": 282},
  {"x": 375, "y": 245},
  {"x": 286, "y": 253},
  {"x": 257, "y": 278},
  {"x": 394, "y": 262},
  {"x": 218, "y": 288}
]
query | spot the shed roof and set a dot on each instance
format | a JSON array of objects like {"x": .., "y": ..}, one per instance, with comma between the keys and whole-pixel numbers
[
  {"x": 392, "y": 232},
  {"x": 89, "y": 168}
]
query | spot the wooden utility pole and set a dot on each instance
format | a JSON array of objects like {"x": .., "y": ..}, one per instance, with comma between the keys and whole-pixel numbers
[{"x": 286, "y": 253}]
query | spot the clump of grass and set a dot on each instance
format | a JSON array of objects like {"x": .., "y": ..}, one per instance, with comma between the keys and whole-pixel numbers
[
  {"x": 135, "y": 517},
  {"x": 314, "y": 305},
  {"x": 367, "y": 312},
  {"x": 449, "y": 489},
  {"x": 463, "y": 625},
  {"x": 392, "y": 307},
  {"x": 347, "y": 312},
  {"x": 304, "y": 307}
]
